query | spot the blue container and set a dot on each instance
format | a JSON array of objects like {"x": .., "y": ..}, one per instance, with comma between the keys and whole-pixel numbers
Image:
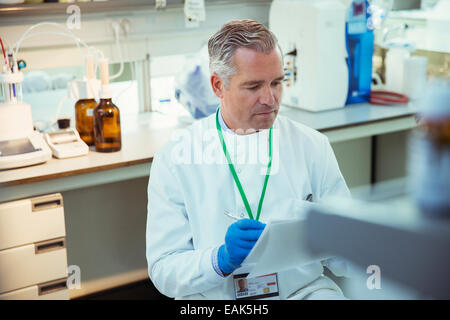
[{"x": 359, "y": 41}]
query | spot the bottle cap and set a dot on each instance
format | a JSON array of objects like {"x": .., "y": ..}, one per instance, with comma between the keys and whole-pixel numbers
[
  {"x": 63, "y": 123},
  {"x": 105, "y": 92}
]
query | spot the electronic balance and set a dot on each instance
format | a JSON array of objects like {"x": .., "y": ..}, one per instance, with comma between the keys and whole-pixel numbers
[{"x": 20, "y": 144}]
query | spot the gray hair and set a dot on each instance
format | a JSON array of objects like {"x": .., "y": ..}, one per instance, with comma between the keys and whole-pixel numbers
[{"x": 233, "y": 35}]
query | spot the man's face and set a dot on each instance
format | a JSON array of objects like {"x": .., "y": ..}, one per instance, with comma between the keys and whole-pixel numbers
[
  {"x": 252, "y": 98},
  {"x": 242, "y": 284}
]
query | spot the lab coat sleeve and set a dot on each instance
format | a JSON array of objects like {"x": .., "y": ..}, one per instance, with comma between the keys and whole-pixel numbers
[
  {"x": 333, "y": 184},
  {"x": 174, "y": 266},
  {"x": 343, "y": 268}
]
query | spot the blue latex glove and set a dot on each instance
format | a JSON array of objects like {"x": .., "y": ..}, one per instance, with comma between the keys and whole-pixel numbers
[{"x": 240, "y": 238}]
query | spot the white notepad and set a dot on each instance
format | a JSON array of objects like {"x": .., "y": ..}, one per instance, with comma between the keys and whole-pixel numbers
[{"x": 281, "y": 246}]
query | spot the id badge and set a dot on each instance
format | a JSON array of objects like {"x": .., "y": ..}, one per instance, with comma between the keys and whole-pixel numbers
[{"x": 258, "y": 288}]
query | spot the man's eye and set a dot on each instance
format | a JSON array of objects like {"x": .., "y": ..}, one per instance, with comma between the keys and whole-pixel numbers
[
  {"x": 253, "y": 88},
  {"x": 277, "y": 83}
]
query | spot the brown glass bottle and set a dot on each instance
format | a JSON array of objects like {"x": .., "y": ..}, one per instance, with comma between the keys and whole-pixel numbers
[
  {"x": 84, "y": 119},
  {"x": 107, "y": 135}
]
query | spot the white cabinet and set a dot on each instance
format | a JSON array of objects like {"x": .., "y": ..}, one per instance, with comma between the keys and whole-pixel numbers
[
  {"x": 31, "y": 220},
  {"x": 33, "y": 257},
  {"x": 53, "y": 290}
]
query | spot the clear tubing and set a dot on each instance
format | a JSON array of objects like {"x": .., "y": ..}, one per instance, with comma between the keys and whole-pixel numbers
[
  {"x": 98, "y": 54},
  {"x": 91, "y": 50},
  {"x": 53, "y": 33},
  {"x": 67, "y": 32},
  {"x": 133, "y": 76},
  {"x": 5, "y": 93},
  {"x": 116, "y": 36}
]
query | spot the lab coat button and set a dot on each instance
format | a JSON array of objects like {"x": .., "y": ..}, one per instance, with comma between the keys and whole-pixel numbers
[{"x": 242, "y": 214}]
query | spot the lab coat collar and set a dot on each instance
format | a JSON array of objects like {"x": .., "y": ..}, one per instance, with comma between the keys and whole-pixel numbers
[{"x": 222, "y": 123}]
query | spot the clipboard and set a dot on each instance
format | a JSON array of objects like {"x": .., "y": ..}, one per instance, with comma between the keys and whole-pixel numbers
[{"x": 281, "y": 246}]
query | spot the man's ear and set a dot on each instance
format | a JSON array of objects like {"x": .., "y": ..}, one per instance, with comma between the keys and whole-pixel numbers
[{"x": 217, "y": 85}]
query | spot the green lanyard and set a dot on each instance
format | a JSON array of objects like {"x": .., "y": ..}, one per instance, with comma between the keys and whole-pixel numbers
[{"x": 233, "y": 171}]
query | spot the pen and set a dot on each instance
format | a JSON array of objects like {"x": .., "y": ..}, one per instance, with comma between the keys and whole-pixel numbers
[{"x": 231, "y": 216}]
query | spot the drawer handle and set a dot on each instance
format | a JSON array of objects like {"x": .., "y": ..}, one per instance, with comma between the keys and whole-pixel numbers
[
  {"x": 53, "y": 286},
  {"x": 51, "y": 245},
  {"x": 46, "y": 202}
]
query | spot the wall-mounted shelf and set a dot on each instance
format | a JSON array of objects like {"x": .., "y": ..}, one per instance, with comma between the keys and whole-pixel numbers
[
  {"x": 56, "y": 8},
  {"x": 15, "y": 11}
]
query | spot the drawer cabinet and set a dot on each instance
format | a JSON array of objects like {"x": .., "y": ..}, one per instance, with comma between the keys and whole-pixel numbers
[
  {"x": 53, "y": 290},
  {"x": 31, "y": 220},
  {"x": 33, "y": 257}
]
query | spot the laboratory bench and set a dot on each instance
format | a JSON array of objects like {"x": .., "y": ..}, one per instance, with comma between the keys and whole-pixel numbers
[
  {"x": 104, "y": 195},
  {"x": 145, "y": 133}
]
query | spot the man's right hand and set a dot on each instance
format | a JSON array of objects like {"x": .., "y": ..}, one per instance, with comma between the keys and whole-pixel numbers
[{"x": 240, "y": 239}]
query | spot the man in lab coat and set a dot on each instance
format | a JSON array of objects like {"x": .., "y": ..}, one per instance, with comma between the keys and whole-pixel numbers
[{"x": 245, "y": 160}]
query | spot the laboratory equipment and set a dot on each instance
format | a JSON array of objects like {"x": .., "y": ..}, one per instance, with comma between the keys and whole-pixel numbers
[
  {"x": 107, "y": 132},
  {"x": 360, "y": 43},
  {"x": 20, "y": 144},
  {"x": 429, "y": 159},
  {"x": 66, "y": 143},
  {"x": 415, "y": 76},
  {"x": 84, "y": 119},
  {"x": 311, "y": 35},
  {"x": 399, "y": 51},
  {"x": 85, "y": 91}
]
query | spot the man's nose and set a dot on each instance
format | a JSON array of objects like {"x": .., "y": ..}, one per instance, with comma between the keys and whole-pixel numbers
[{"x": 267, "y": 97}]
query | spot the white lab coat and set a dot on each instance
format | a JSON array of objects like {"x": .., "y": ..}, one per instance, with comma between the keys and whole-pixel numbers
[{"x": 191, "y": 185}]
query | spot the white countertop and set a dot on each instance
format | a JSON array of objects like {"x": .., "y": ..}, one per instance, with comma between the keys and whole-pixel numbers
[
  {"x": 142, "y": 136},
  {"x": 351, "y": 115}
]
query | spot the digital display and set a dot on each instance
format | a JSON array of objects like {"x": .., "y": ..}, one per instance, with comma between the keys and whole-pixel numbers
[
  {"x": 359, "y": 8},
  {"x": 61, "y": 137}
]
